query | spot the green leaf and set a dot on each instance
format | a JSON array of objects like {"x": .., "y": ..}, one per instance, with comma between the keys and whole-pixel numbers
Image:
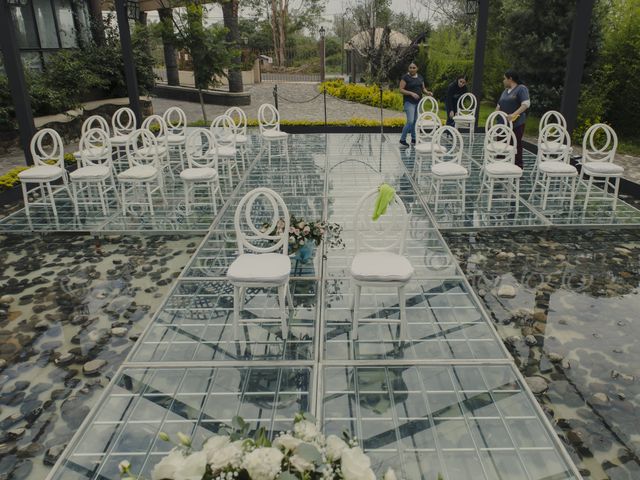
[
  {"x": 310, "y": 418},
  {"x": 308, "y": 452},
  {"x": 237, "y": 422},
  {"x": 286, "y": 476}
]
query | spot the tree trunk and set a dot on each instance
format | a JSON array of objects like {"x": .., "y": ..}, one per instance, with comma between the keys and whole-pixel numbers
[
  {"x": 282, "y": 24},
  {"x": 204, "y": 112},
  {"x": 97, "y": 24},
  {"x": 170, "y": 54},
  {"x": 230, "y": 15},
  {"x": 274, "y": 30}
]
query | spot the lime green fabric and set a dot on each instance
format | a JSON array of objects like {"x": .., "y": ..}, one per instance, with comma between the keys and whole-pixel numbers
[{"x": 385, "y": 195}]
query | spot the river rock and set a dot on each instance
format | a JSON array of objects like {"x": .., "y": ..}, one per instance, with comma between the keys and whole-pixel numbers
[
  {"x": 537, "y": 384},
  {"x": 600, "y": 399},
  {"x": 530, "y": 340},
  {"x": 507, "y": 291},
  {"x": 554, "y": 357},
  {"x": 53, "y": 453},
  {"x": 119, "y": 331},
  {"x": 93, "y": 367},
  {"x": 65, "y": 359},
  {"x": 6, "y": 299}
]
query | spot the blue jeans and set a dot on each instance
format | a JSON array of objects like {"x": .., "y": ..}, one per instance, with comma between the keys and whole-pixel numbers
[{"x": 410, "y": 109}]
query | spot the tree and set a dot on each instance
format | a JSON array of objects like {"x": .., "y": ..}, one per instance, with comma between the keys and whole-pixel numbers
[
  {"x": 230, "y": 18},
  {"x": 286, "y": 17},
  {"x": 207, "y": 46}
]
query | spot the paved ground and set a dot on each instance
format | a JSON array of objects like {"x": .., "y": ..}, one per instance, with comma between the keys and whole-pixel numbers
[{"x": 297, "y": 101}]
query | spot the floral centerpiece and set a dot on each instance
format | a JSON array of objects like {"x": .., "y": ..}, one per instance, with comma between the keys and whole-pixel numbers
[
  {"x": 302, "y": 233},
  {"x": 302, "y": 454}
]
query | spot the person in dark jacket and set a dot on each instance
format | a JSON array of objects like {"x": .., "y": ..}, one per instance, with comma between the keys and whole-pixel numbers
[
  {"x": 515, "y": 101},
  {"x": 454, "y": 91}
]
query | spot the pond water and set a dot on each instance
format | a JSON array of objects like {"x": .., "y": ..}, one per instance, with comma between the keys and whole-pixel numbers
[
  {"x": 566, "y": 304},
  {"x": 71, "y": 307}
]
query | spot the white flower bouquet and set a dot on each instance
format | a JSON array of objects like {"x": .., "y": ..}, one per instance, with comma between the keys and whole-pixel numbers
[{"x": 301, "y": 454}]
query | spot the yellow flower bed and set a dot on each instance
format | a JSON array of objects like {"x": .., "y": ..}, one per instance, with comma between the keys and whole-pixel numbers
[
  {"x": 352, "y": 122},
  {"x": 367, "y": 95},
  {"x": 10, "y": 179}
]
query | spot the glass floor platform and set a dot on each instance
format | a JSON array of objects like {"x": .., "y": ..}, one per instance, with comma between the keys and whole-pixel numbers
[
  {"x": 303, "y": 180},
  {"x": 446, "y": 401}
]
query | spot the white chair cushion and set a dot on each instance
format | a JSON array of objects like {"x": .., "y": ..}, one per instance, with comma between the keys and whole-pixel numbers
[
  {"x": 500, "y": 147},
  {"x": 427, "y": 147},
  {"x": 602, "y": 168},
  {"x": 119, "y": 140},
  {"x": 226, "y": 152},
  {"x": 464, "y": 118},
  {"x": 91, "y": 152},
  {"x": 381, "y": 267},
  {"x": 144, "y": 151},
  {"x": 271, "y": 134},
  {"x": 426, "y": 122},
  {"x": 270, "y": 268},
  {"x": 41, "y": 172},
  {"x": 560, "y": 168},
  {"x": 503, "y": 169},
  {"x": 174, "y": 139},
  {"x": 554, "y": 146},
  {"x": 239, "y": 138},
  {"x": 97, "y": 172},
  {"x": 200, "y": 173},
  {"x": 449, "y": 169},
  {"x": 141, "y": 172}
]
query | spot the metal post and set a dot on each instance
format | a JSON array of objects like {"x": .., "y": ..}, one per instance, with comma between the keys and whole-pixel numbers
[
  {"x": 17, "y": 82},
  {"x": 322, "y": 59},
  {"x": 127, "y": 57},
  {"x": 275, "y": 95},
  {"x": 478, "y": 57},
  {"x": 575, "y": 62},
  {"x": 324, "y": 92}
]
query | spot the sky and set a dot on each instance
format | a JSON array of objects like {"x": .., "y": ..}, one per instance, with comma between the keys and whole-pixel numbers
[{"x": 334, "y": 7}]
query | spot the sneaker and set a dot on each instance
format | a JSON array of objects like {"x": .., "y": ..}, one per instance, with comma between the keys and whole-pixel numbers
[
  {"x": 404, "y": 143},
  {"x": 413, "y": 142}
]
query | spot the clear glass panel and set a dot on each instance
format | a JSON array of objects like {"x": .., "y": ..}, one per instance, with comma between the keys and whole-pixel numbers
[
  {"x": 66, "y": 26},
  {"x": 25, "y": 27},
  {"x": 46, "y": 25}
]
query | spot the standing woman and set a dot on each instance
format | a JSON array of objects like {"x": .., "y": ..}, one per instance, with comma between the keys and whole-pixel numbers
[
  {"x": 514, "y": 101},
  {"x": 411, "y": 88}
]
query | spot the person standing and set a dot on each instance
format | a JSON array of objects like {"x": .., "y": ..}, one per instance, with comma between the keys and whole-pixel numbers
[
  {"x": 411, "y": 87},
  {"x": 515, "y": 101},
  {"x": 454, "y": 91}
]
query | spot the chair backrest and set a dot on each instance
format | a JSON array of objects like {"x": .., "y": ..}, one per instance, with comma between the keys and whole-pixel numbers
[
  {"x": 427, "y": 104},
  {"x": 157, "y": 126},
  {"x": 427, "y": 124},
  {"x": 94, "y": 121},
  {"x": 223, "y": 131},
  {"x": 554, "y": 143},
  {"x": 239, "y": 119},
  {"x": 176, "y": 120},
  {"x": 200, "y": 149},
  {"x": 497, "y": 117},
  {"x": 268, "y": 117},
  {"x": 599, "y": 144},
  {"x": 123, "y": 122},
  {"x": 450, "y": 139},
  {"x": 46, "y": 146},
  {"x": 467, "y": 104},
  {"x": 499, "y": 144},
  {"x": 262, "y": 222},
  {"x": 550, "y": 117},
  {"x": 388, "y": 233},
  {"x": 142, "y": 149},
  {"x": 95, "y": 148}
]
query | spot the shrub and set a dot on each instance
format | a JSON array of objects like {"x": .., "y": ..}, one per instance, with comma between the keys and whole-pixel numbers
[
  {"x": 368, "y": 95},
  {"x": 10, "y": 179}
]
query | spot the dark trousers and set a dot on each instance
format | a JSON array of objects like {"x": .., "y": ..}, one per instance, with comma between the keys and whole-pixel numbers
[{"x": 519, "y": 132}]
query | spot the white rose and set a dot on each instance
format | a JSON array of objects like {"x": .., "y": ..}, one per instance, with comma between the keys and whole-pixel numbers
[
  {"x": 306, "y": 430},
  {"x": 214, "y": 444},
  {"x": 168, "y": 466},
  {"x": 193, "y": 467},
  {"x": 356, "y": 465},
  {"x": 263, "y": 463},
  {"x": 335, "y": 447},
  {"x": 286, "y": 442},
  {"x": 231, "y": 455},
  {"x": 300, "y": 464},
  {"x": 390, "y": 475}
]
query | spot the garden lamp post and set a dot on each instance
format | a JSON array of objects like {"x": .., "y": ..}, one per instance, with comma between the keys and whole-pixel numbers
[
  {"x": 481, "y": 8},
  {"x": 322, "y": 32}
]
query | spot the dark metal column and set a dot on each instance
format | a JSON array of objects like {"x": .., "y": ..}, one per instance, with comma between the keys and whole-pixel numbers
[
  {"x": 575, "y": 62},
  {"x": 17, "y": 82},
  {"x": 127, "y": 56},
  {"x": 478, "y": 56}
]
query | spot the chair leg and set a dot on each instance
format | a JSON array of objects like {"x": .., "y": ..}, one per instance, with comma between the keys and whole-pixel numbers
[
  {"x": 403, "y": 313},
  {"x": 74, "y": 192},
  {"x": 150, "y": 198},
  {"x": 491, "y": 185},
  {"x": 547, "y": 187},
  {"x": 282, "y": 293},
  {"x": 517, "y": 182},
  {"x": 212, "y": 191},
  {"x": 615, "y": 193},
  {"x": 572, "y": 193},
  {"x": 289, "y": 297},
  {"x": 25, "y": 198},
  {"x": 53, "y": 201},
  {"x": 535, "y": 184},
  {"x": 438, "y": 184},
  {"x": 187, "y": 198},
  {"x": 100, "y": 188},
  {"x": 586, "y": 197},
  {"x": 356, "y": 311},
  {"x": 463, "y": 194},
  {"x": 123, "y": 190},
  {"x": 236, "y": 311}
]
